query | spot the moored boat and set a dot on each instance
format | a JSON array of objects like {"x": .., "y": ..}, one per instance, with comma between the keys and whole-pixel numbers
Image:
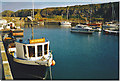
[
  {"x": 36, "y": 52},
  {"x": 65, "y": 23},
  {"x": 29, "y": 59},
  {"x": 82, "y": 29},
  {"x": 12, "y": 30},
  {"x": 33, "y": 53},
  {"x": 96, "y": 26},
  {"x": 2, "y": 23},
  {"x": 32, "y": 56},
  {"x": 111, "y": 24},
  {"x": 111, "y": 30}
]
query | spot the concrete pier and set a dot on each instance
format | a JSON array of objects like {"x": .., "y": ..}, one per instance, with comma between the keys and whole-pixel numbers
[{"x": 6, "y": 67}]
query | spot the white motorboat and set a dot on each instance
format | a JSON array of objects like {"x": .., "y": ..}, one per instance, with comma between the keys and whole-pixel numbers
[
  {"x": 111, "y": 30},
  {"x": 111, "y": 24},
  {"x": 82, "y": 29},
  {"x": 66, "y": 23}
]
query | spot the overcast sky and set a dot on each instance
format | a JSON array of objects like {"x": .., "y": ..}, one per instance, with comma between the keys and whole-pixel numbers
[
  {"x": 102, "y": 1},
  {"x": 14, "y": 5}
]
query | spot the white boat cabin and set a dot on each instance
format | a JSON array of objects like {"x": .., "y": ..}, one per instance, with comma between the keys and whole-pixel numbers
[{"x": 33, "y": 51}]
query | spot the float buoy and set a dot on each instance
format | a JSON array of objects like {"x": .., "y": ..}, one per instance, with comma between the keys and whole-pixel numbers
[
  {"x": 53, "y": 63},
  {"x": 7, "y": 38}
]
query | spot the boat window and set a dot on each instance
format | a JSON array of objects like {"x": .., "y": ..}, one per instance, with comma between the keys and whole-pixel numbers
[
  {"x": 45, "y": 49},
  {"x": 39, "y": 49},
  {"x": 31, "y": 50},
  {"x": 25, "y": 55},
  {"x": 79, "y": 27}
]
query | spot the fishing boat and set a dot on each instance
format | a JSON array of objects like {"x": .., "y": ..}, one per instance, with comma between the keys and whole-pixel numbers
[
  {"x": 82, "y": 29},
  {"x": 33, "y": 53},
  {"x": 31, "y": 59}
]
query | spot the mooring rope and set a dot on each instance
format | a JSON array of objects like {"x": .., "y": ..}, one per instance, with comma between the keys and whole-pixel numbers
[
  {"x": 46, "y": 74},
  {"x": 50, "y": 73}
]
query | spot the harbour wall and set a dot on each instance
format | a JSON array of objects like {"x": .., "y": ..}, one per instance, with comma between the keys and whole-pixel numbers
[{"x": 6, "y": 70}]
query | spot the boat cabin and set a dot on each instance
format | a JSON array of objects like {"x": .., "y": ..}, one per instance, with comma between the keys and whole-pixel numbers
[{"x": 34, "y": 50}]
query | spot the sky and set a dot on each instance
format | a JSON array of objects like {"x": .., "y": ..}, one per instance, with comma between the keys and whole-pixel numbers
[
  {"x": 59, "y": 0},
  {"x": 15, "y": 5}
]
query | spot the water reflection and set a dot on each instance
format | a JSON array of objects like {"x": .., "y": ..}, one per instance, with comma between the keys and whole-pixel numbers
[
  {"x": 99, "y": 35},
  {"x": 65, "y": 26}
]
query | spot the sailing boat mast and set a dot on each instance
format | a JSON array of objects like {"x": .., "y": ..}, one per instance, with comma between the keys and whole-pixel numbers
[
  {"x": 67, "y": 13},
  {"x": 90, "y": 11},
  {"x": 33, "y": 7},
  {"x": 32, "y": 19},
  {"x": 113, "y": 12},
  {"x": 1, "y": 9}
]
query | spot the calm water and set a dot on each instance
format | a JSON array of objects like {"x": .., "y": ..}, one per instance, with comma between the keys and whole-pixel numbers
[{"x": 80, "y": 56}]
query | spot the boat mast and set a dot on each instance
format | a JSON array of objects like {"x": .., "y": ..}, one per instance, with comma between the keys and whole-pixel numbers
[
  {"x": 90, "y": 11},
  {"x": 113, "y": 12},
  {"x": 33, "y": 7},
  {"x": 1, "y": 9},
  {"x": 67, "y": 13},
  {"x": 32, "y": 19}
]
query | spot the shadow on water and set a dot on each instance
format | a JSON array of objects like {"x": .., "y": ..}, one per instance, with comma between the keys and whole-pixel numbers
[{"x": 81, "y": 34}]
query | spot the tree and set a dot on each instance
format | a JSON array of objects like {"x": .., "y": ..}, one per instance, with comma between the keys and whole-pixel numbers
[{"x": 7, "y": 13}]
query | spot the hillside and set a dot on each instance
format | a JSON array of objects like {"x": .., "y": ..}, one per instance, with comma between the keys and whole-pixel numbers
[{"x": 93, "y": 12}]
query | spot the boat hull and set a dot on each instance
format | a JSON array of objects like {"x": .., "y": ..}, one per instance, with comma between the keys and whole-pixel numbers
[
  {"x": 78, "y": 31},
  {"x": 66, "y": 23},
  {"x": 26, "y": 72},
  {"x": 111, "y": 32},
  {"x": 81, "y": 31}
]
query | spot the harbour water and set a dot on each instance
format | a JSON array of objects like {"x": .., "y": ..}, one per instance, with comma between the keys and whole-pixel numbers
[{"x": 80, "y": 56}]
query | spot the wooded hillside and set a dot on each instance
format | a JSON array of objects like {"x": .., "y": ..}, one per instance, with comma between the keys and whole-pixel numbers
[{"x": 106, "y": 12}]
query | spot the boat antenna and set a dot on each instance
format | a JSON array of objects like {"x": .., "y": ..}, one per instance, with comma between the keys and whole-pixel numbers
[{"x": 32, "y": 19}]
